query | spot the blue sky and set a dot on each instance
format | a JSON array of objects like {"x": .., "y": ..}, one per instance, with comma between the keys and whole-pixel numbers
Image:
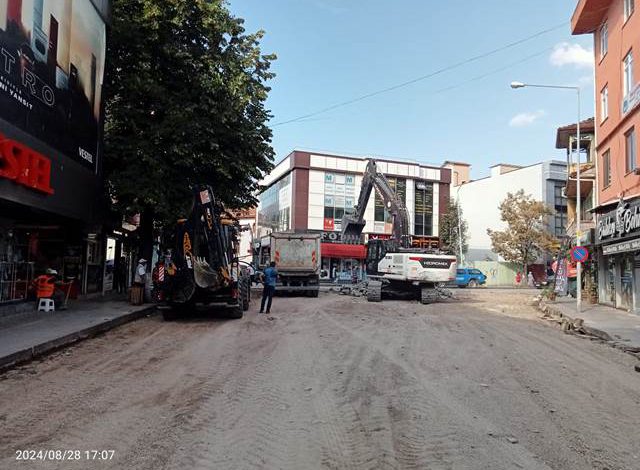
[{"x": 330, "y": 51}]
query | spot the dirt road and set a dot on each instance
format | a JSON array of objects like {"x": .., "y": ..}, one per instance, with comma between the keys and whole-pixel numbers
[{"x": 333, "y": 382}]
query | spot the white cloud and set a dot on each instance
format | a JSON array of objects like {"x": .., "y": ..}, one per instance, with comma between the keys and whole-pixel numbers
[
  {"x": 571, "y": 54},
  {"x": 586, "y": 80},
  {"x": 525, "y": 119}
]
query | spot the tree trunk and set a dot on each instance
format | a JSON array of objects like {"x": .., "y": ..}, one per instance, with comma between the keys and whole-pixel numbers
[{"x": 145, "y": 248}]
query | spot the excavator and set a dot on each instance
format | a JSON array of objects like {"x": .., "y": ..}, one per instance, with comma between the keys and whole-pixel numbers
[
  {"x": 203, "y": 268},
  {"x": 393, "y": 265}
]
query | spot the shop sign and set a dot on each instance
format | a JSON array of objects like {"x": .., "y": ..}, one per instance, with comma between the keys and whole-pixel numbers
[
  {"x": 620, "y": 223},
  {"x": 24, "y": 166},
  {"x": 329, "y": 224},
  {"x": 331, "y": 237},
  {"x": 630, "y": 245},
  {"x": 52, "y": 57},
  {"x": 561, "y": 277}
]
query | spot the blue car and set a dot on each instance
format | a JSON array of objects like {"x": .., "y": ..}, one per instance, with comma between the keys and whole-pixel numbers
[{"x": 470, "y": 277}]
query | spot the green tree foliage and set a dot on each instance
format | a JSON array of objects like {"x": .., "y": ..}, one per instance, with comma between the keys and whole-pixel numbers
[
  {"x": 449, "y": 229},
  {"x": 526, "y": 236},
  {"x": 185, "y": 92}
]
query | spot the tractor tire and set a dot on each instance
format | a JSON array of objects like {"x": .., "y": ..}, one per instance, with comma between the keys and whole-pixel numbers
[
  {"x": 473, "y": 283},
  {"x": 235, "y": 312},
  {"x": 428, "y": 295},
  {"x": 245, "y": 293},
  {"x": 374, "y": 291}
]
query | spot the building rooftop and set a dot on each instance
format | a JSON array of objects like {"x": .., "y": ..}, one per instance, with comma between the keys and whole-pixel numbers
[
  {"x": 562, "y": 136},
  {"x": 588, "y": 15}
]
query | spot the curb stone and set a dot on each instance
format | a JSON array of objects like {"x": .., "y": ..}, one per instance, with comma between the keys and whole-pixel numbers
[
  {"x": 576, "y": 326},
  {"x": 571, "y": 324},
  {"x": 26, "y": 355}
]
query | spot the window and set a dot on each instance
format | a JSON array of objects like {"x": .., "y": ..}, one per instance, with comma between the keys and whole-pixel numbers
[
  {"x": 604, "y": 103},
  {"x": 339, "y": 197},
  {"x": 628, "y": 9},
  {"x": 606, "y": 168},
  {"x": 604, "y": 40},
  {"x": 560, "y": 206},
  {"x": 627, "y": 74},
  {"x": 423, "y": 224},
  {"x": 630, "y": 149},
  {"x": 399, "y": 186}
]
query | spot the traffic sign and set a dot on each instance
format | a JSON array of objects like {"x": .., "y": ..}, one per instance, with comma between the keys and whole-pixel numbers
[{"x": 580, "y": 254}]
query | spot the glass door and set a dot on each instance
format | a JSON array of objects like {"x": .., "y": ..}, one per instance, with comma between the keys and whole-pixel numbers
[
  {"x": 626, "y": 282},
  {"x": 610, "y": 294}
]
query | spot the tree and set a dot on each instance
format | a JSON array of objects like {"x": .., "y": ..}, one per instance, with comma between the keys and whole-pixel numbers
[
  {"x": 526, "y": 236},
  {"x": 185, "y": 91},
  {"x": 449, "y": 229}
]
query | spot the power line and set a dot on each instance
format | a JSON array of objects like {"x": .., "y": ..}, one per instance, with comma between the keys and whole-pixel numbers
[{"x": 423, "y": 77}]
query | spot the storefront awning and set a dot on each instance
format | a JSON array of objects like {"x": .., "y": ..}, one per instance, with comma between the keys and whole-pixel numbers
[{"x": 340, "y": 250}]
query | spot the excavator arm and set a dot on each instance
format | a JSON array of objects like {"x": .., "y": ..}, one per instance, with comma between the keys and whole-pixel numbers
[{"x": 353, "y": 224}]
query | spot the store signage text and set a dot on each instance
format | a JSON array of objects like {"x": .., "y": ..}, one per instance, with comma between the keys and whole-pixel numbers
[
  {"x": 625, "y": 220},
  {"x": 24, "y": 166}
]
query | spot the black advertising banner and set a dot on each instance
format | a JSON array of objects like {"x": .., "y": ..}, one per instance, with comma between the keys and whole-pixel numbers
[{"x": 51, "y": 69}]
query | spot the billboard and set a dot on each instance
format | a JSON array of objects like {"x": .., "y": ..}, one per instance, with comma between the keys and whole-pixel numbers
[{"x": 51, "y": 68}]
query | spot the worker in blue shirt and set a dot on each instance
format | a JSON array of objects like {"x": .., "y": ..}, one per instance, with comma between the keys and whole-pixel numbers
[{"x": 269, "y": 278}]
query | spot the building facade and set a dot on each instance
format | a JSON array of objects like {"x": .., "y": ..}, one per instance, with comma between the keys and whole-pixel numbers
[
  {"x": 310, "y": 191},
  {"x": 480, "y": 200},
  {"x": 51, "y": 72},
  {"x": 616, "y": 33}
]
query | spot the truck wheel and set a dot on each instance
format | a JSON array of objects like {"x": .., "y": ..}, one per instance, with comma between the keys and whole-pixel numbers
[
  {"x": 428, "y": 295},
  {"x": 473, "y": 283},
  {"x": 235, "y": 312},
  {"x": 374, "y": 291},
  {"x": 315, "y": 293}
]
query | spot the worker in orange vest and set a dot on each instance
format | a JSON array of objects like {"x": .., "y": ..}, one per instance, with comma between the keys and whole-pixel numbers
[{"x": 46, "y": 286}]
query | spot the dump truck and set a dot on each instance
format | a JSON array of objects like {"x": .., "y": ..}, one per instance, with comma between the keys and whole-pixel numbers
[
  {"x": 297, "y": 258},
  {"x": 202, "y": 268}
]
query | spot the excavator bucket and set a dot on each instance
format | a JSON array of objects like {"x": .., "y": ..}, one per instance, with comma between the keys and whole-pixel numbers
[
  {"x": 351, "y": 230},
  {"x": 204, "y": 275}
]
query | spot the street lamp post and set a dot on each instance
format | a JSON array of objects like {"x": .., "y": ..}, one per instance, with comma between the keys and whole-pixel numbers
[
  {"x": 459, "y": 221},
  {"x": 516, "y": 85}
]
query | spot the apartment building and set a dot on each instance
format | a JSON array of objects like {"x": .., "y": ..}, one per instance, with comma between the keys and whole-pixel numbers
[{"x": 615, "y": 27}]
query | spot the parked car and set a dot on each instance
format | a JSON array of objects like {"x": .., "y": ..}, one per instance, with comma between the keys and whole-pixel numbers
[{"x": 470, "y": 277}]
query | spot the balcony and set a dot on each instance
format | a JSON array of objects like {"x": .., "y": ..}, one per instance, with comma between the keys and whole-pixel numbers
[{"x": 587, "y": 180}]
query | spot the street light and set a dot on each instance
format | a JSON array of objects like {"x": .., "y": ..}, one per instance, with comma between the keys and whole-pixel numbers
[
  {"x": 516, "y": 85},
  {"x": 459, "y": 222}
]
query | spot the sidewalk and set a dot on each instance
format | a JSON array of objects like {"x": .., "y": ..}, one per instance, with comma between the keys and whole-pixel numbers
[
  {"x": 27, "y": 335},
  {"x": 618, "y": 327}
]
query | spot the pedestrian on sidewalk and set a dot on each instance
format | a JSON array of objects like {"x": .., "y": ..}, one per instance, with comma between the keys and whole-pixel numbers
[
  {"x": 518, "y": 279},
  {"x": 530, "y": 280},
  {"x": 139, "y": 282},
  {"x": 269, "y": 278}
]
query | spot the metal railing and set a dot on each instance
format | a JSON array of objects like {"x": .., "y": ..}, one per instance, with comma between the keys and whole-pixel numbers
[{"x": 15, "y": 279}]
